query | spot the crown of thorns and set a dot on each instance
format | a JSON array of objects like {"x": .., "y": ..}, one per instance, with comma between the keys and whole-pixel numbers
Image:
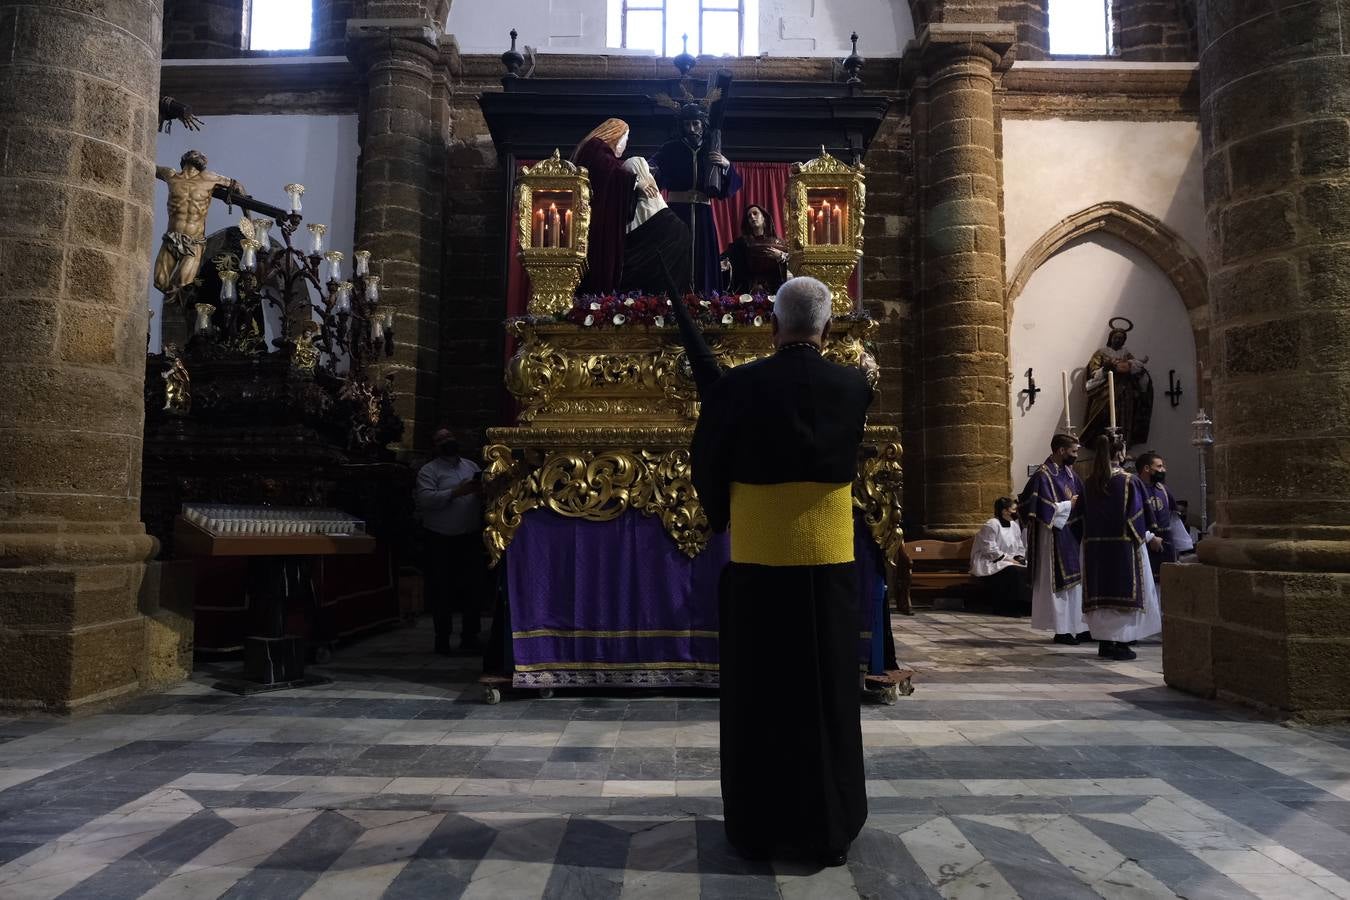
[{"x": 687, "y": 106}]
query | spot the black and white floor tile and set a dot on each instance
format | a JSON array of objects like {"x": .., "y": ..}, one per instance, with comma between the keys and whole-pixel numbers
[{"x": 1017, "y": 769}]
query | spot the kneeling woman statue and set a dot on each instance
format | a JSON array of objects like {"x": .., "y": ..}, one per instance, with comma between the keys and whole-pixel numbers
[{"x": 632, "y": 230}]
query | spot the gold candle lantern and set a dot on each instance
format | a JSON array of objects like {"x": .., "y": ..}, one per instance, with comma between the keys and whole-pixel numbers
[
  {"x": 553, "y": 209},
  {"x": 825, "y": 200}
]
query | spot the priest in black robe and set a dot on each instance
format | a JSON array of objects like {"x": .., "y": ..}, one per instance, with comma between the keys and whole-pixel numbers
[
  {"x": 774, "y": 458},
  {"x": 693, "y": 174}
]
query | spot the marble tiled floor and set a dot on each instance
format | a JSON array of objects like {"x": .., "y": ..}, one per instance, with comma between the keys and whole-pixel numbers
[{"x": 1016, "y": 769}]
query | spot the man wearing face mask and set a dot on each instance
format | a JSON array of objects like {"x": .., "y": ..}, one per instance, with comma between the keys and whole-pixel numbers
[
  {"x": 1054, "y": 528},
  {"x": 449, "y": 492},
  {"x": 998, "y": 558},
  {"x": 1152, "y": 470},
  {"x": 682, "y": 167}
]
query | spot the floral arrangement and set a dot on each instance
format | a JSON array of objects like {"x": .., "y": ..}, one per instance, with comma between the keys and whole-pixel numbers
[{"x": 713, "y": 310}]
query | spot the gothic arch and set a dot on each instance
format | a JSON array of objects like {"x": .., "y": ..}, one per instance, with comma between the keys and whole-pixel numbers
[{"x": 1167, "y": 249}]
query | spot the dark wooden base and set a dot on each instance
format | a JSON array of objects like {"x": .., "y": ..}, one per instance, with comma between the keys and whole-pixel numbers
[{"x": 270, "y": 660}]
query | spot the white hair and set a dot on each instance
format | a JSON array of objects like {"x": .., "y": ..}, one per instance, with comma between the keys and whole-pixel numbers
[{"x": 802, "y": 306}]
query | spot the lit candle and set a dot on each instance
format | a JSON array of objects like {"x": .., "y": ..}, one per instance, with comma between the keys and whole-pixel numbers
[
  {"x": 824, "y": 222},
  {"x": 567, "y": 228},
  {"x": 1064, "y": 380},
  {"x": 294, "y": 191},
  {"x": 334, "y": 258},
  {"x": 248, "y": 258},
  {"x": 373, "y": 288},
  {"x": 837, "y": 227},
  {"x": 538, "y": 229},
  {"x": 552, "y": 225},
  {"x": 1111, "y": 395},
  {"x": 316, "y": 233},
  {"x": 361, "y": 261}
]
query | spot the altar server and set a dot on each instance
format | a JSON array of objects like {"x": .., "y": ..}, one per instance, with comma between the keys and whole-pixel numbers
[
  {"x": 1049, "y": 505},
  {"x": 774, "y": 457},
  {"x": 998, "y": 558},
  {"x": 1163, "y": 548},
  {"x": 1119, "y": 597}
]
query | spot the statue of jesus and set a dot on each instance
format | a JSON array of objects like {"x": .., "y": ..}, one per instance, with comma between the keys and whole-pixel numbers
[
  {"x": 190, "y": 190},
  {"x": 1134, "y": 389}
]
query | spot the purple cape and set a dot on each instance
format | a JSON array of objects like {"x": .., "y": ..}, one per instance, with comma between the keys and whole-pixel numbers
[
  {"x": 1052, "y": 484},
  {"x": 1113, "y": 528}
]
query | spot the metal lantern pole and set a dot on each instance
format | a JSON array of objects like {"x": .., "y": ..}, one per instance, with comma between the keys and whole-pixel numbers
[{"x": 1202, "y": 437}]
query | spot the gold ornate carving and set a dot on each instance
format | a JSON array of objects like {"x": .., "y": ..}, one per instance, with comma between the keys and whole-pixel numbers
[
  {"x": 876, "y": 494},
  {"x": 555, "y": 272},
  {"x": 831, "y": 263},
  {"x": 595, "y": 485}
]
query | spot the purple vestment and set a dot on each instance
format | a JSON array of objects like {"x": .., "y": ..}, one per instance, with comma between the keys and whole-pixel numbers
[
  {"x": 1114, "y": 524},
  {"x": 1164, "y": 508},
  {"x": 1053, "y": 484}
]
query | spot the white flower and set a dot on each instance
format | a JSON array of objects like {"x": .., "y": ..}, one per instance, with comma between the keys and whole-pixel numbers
[
  {"x": 590, "y": 320},
  {"x": 746, "y": 298},
  {"x": 728, "y": 319},
  {"x": 619, "y": 318},
  {"x": 773, "y": 297},
  {"x": 667, "y": 302},
  {"x": 629, "y": 302},
  {"x": 704, "y": 303},
  {"x": 595, "y": 306},
  {"x": 759, "y": 320},
  {"x": 660, "y": 321}
]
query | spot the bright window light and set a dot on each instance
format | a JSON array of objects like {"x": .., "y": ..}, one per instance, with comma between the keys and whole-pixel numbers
[
  {"x": 1078, "y": 28},
  {"x": 715, "y": 27},
  {"x": 279, "y": 24}
]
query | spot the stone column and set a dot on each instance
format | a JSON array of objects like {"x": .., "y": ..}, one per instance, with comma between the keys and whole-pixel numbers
[
  {"x": 203, "y": 29},
  {"x": 77, "y": 119},
  {"x": 964, "y": 342},
  {"x": 1030, "y": 20},
  {"x": 400, "y": 207},
  {"x": 328, "y": 27},
  {"x": 1266, "y": 618}
]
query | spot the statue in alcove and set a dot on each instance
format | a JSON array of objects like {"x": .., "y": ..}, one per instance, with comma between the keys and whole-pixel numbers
[{"x": 1134, "y": 388}]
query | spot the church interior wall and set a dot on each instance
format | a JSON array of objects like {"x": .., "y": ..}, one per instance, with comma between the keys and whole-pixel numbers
[
  {"x": 1060, "y": 319},
  {"x": 263, "y": 153}
]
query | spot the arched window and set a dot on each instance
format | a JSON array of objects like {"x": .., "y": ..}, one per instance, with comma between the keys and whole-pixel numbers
[
  {"x": 715, "y": 27},
  {"x": 277, "y": 24},
  {"x": 1079, "y": 28}
]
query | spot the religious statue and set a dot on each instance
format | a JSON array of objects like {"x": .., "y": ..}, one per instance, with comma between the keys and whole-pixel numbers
[
  {"x": 177, "y": 384},
  {"x": 693, "y": 172},
  {"x": 757, "y": 260},
  {"x": 190, "y": 190},
  {"x": 632, "y": 230},
  {"x": 1134, "y": 388}
]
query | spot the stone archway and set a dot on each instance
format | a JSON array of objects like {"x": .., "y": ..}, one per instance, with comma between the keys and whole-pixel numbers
[{"x": 1167, "y": 249}]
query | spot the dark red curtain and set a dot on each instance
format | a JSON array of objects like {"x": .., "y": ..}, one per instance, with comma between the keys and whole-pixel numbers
[{"x": 762, "y": 184}]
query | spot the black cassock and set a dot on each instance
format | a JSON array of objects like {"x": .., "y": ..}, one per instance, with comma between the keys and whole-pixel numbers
[{"x": 774, "y": 457}]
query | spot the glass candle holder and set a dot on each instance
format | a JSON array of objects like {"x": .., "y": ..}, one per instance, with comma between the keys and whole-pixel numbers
[
  {"x": 361, "y": 262},
  {"x": 343, "y": 298},
  {"x": 262, "y": 232},
  {"x": 228, "y": 294},
  {"x": 334, "y": 258},
  {"x": 373, "y": 288},
  {"x": 387, "y": 320},
  {"x": 294, "y": 191},
  {"x": 248, "y": 258},
  {"x": 316, "y": 233},
  {"x": 204, "y": 313},
  {"x": 828, "y": 217}
]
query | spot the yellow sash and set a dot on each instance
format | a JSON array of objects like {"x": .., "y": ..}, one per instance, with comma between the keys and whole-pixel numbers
[{"x": 799, "y": 523}]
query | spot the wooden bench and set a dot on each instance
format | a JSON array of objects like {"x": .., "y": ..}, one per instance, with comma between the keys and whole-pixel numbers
[{"x": 933, "y": 566}]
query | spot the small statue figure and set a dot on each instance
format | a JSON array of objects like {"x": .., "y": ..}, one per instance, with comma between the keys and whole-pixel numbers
[
  {"x": 1134, "y": 389},
  {"x": 177, "y": 384},
  {"x": 190, "y": 192}
]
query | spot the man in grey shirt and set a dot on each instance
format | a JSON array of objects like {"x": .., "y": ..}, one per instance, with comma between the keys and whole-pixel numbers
[{"x": 449, "y": 498}]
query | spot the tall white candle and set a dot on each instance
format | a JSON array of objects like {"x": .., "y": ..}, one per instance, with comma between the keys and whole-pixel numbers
[
  {"x": 1064, "y": 380},
  {"x": 1111, "y": 395}
]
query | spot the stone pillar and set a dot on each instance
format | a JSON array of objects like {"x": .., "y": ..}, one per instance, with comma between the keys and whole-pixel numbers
[
  {"x": 966, "y": 437},
  {"x": 400, "y": 206},
  {"x": 1030, "y": 20},
  {"x": 328, "y": 27},
  {"x": 77, "y": 119},
  {"x": 203, "y": 29},
  {"x": 1266, "y": 619},
  {"x": 1152, "y": 31}
]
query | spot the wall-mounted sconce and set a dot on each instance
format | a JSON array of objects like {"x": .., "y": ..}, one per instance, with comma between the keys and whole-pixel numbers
[
  {"x": 1173, "y": 391},
  {"x": 1030, "y": 390}
]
